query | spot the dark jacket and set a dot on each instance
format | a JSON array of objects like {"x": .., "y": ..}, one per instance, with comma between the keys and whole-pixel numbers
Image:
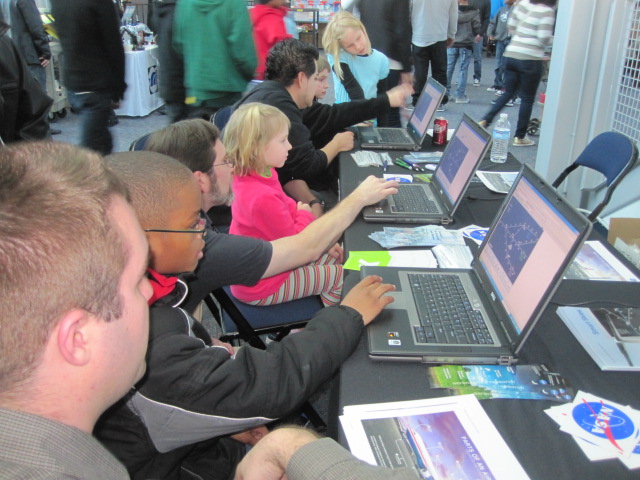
[
  {"x": 171, "y": 80},
  {"x": 388, "y": 24},
  {"x": 484, "y": 10},
  {"x": 468, "y": 27},
  {"x": 316, "y": 124},
  {"x": 193, "y": 392},
  {"x": 24, "y": 106},
  {"x": 27, "y": 31},
  {"x": 93, "y": 59}
]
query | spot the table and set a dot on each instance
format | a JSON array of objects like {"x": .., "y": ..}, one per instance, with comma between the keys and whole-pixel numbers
[
  {"x": 141, "y": 74},
  {"x": 544, "y": 452}
]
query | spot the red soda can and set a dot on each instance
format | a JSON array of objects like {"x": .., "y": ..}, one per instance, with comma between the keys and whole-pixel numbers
[{"x": 440, "y": 126}]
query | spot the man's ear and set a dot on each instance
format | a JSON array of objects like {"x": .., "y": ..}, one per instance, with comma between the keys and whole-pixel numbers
[
  {"x": 300, "y": 79},
  {"x": 74, "y": 336},
  {"x": 204, "y": 181}
]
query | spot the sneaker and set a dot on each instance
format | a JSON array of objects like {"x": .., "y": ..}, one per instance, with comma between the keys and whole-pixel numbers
[
  {"x": 493, "y": 89},
  {"x": 518, "y": 101},
  {"x": 476, "y": 82},
  {"x": 523, "y": 142},
  {"x": 464, "y": 99},
  {"x": 509, "y": 103},
  {"x": 440, "y": 108}
]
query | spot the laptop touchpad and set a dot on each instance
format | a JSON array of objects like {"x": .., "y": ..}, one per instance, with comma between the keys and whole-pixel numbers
[{"x": 400, "y": 300}]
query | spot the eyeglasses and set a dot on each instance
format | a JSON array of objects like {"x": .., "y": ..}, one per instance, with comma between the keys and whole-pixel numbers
[
  {"x": 200, "y": 229},
  {"x": 227, "y": 161}
]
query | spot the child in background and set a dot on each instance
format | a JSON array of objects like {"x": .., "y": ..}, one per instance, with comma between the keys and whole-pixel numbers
[
  {"x": 468, "y": 33},
  {"x": 269, "y": 27},
  {"x": 324, "y": 70},
  {"x": 358, "y": 70},
  {"x": 256, "y": 139}
]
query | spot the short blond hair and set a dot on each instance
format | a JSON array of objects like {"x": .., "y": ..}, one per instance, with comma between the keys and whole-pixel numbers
[
  {"x": 60, "y": 249},
  {"x": 247, "y": 133},
  {"x": 323, "y": 64},
  {"x": 335, "y": 31}
]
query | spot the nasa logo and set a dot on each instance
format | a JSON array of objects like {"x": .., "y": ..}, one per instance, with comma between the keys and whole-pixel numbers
[
  {"x": 153, "y": 79},
  {"x": 603, "y": 421}
]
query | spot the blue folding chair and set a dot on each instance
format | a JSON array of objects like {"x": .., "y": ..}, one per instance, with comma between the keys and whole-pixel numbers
[
  {"x": 248, "y": 322},
  {"x": 610, "y": 153}
]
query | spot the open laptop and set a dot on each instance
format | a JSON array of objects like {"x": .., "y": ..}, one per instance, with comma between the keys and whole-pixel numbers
[
  {"x": 436, "y": 202},
  {"x": 411, "y": 137},
  {"x": 532, "y": 241}
]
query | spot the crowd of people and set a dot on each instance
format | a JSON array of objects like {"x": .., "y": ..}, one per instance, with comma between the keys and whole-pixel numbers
[{"x": 106, "y": 373}]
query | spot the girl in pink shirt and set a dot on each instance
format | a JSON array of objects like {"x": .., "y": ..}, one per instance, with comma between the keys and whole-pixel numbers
[{"x": 256, "y": 139}]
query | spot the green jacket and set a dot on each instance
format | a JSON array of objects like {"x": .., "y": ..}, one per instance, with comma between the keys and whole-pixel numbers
[{"x": 215, "y": 39}]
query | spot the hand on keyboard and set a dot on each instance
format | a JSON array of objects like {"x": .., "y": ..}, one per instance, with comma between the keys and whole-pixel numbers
[{"x": 368, "y": 297}]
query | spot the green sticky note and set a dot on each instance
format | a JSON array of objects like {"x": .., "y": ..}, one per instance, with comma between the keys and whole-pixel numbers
[{"x": 374, "y": 258}]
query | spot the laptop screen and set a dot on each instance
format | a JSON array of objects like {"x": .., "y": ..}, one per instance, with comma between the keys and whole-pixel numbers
[
  {"x": 525, "y": 250},
  {"x": 460, "y": 158},
  {"x": 425, "y": 108}
]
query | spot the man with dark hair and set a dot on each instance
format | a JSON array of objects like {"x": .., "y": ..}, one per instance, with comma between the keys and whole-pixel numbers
[
  {"x": 24, "y": 105},
  {"x": 74, "y": 309},
  {"x": 290, "y": 86},
  {"x": 92, "y": 65}
]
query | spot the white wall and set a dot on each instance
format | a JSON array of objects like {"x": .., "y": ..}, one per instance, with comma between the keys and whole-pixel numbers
[{"x": 585, "y": 68}]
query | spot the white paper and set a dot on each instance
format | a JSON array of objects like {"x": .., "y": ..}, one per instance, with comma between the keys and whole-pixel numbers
[
  {"x": 499, "y": 182},
  {"x": 434, "y": 437}
]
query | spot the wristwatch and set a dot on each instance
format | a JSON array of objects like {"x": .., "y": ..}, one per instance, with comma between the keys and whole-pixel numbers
[{"x": 317, "y": 200}]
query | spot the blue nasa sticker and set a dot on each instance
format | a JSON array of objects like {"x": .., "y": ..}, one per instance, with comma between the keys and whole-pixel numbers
[{"x": 603, "y": 421}]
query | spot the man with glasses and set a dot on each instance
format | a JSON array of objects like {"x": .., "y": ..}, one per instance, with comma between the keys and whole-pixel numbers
[{"x": 238, "y": 260}]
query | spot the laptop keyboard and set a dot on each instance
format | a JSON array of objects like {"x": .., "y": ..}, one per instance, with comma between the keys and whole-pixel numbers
[
  {"x": 392, "y": 135},
  {"x": 445, "y": 311},
  {"x": 412, "y": 198}
]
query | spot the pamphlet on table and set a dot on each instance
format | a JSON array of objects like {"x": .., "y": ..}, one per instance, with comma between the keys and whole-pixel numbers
[
  {"x": 601, "y": 428},
  {"x": 444, "y": 438},
  {"x": 384, "y": 258},
  {"x": 595, "y": 262},
  {"x": 531, "y": 382},
  {"x": 425, "y": 236},
  {"x": 499, "y": 182},
  {"x": 610, "y": 335}
]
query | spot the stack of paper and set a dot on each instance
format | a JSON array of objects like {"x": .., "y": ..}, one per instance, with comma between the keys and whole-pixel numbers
[
  {"x": 603, "y": 429},
  {"x": 449, "y": 437},
  {"x": 532, "y": 382},
  {"x": 426, "y": 236}
]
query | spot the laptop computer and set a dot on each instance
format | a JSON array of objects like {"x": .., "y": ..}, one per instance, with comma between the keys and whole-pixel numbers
[
  {"x": 514, "y": 274},
  {"x": 411, "y": 137},
  {"x": 436, "y": 202}
]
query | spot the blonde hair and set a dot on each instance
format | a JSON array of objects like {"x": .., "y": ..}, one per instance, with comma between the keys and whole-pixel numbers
[
  {"x": 334, "y": 32},
  {"x": 247, "y": 133},
  {"x": 323, "y": 64}
]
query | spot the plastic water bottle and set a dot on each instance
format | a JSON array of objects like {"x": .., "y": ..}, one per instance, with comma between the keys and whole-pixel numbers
[{"x": 501, "y": 135}]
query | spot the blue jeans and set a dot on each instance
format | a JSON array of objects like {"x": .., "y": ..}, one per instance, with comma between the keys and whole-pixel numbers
[
  {"x": 501, "y": 61},
  {"x": 477, "y": 61},
  {"x": 94, "y": 109},
  {"x": 434, "y": 55},
  {"x": 522, "y": 77},
  {"x": 452, "y": 56}
]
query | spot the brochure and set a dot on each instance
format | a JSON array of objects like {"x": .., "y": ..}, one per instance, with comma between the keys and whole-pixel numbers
[
  {"x": 595, "y": 262},
  {"x": 384, "y": 258},
  {"x": 609, "y": 335},
  {"x": 533, "y": 382},
  {"x": 440, "y": 438},
  {"x": 602, "y": 429},
  {"x": 499, "y": 182}
]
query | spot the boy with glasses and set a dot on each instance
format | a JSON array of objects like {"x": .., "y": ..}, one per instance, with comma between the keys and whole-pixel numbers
[{"x": 197, "y": 390}]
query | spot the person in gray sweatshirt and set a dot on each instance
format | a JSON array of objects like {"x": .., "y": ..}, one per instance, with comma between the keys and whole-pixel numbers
[{"x": 499, "y": 32}]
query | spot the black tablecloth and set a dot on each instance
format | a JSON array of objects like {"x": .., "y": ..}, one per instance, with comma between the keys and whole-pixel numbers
[{"x": 543, "y": 450}]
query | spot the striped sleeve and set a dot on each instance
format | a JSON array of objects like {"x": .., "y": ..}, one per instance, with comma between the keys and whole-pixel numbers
[{"x": 532, "y": 30}]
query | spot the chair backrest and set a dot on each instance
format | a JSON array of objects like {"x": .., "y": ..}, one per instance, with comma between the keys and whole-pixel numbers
[
  {"x": 221, "y": 117},
  {"x": 610, "y": 153},
  {"x": 139, "y": 143}
]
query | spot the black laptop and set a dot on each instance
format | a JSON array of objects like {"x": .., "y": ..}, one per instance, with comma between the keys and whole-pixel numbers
[
  {"x": 436, "y": 202},
  {"x": 411, "y": 137},
  {"x": 483, "y": 315}
]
